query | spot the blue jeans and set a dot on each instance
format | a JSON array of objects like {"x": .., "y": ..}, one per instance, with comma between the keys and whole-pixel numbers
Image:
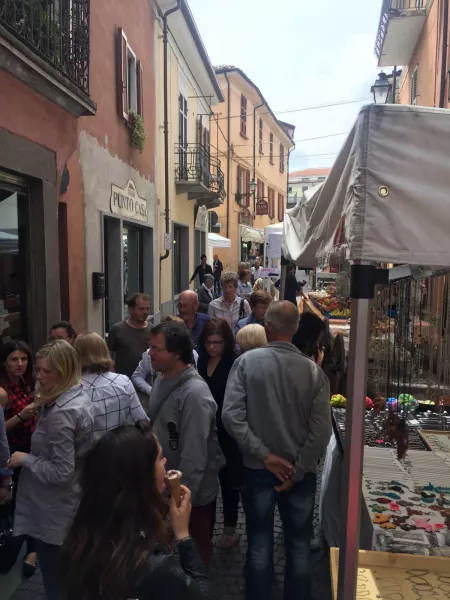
[{"x": 296, "y": 511}]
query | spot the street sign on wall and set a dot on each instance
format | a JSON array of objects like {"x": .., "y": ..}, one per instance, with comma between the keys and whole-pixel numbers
[{"x": 262, "y": 207}]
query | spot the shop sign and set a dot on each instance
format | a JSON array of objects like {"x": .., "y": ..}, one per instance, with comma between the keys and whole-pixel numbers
[
  {"x": 126, "y": 202},
  {"x": 201, "y": 220},
  {"x": 262, "y": 207},
  {"x": 245, "y": 217}
]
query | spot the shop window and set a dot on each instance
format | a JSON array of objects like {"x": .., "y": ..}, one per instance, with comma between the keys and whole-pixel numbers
[
  {"x": 129, "y": 78},
  {"x": 14, "y": 259},
  {"x": 132, "y": 264},
  {"x": 243, "y": 115}
]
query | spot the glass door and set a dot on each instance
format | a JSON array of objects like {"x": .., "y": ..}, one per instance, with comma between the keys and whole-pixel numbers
[
  {"x": 14, "y": 265},
  {"x": 132, "y": 262}
]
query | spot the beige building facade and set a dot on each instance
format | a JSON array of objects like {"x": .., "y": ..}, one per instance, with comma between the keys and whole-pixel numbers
[
  {"x": 194, "y": 178},
  {"x": 414, "y": 34},
  {"x": 253, "y": 147}
]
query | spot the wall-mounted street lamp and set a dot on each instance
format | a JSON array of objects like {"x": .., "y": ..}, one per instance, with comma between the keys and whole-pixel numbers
[
  {"x": 253, "y": 187},
  {"x": 381, "y": 89}
]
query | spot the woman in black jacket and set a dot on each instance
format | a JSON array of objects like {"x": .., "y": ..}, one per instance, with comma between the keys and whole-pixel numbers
[
  {"x": 117, "y": 546},
  {"x": 216, "y": 357}
]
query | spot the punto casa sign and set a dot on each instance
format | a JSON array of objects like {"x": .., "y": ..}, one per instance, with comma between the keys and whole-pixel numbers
[{"x": 126, "y": 202}]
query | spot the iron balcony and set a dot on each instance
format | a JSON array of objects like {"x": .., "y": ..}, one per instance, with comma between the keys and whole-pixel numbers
[
  {"x": 401, "y": 23},
  {"x": 199, "y": 174}
]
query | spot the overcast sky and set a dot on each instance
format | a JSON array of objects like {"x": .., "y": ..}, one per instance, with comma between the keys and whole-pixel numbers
[{"x": 300, "y": 53}]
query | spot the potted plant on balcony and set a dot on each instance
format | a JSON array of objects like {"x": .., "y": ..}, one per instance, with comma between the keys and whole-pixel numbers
[{"x": 138, "y": 133}]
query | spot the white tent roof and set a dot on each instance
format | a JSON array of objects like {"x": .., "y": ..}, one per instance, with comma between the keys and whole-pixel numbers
[
  {"x": 269, "y": 229},
  {"x": 250, "y": 234},
  {"x": 388, "y": 191},
  {"x": 218, "y": 241}
]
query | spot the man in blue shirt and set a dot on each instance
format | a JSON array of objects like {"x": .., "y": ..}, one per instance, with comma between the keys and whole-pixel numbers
[
  {"x": 259, "y": 303},
  {"x": 188, "y": 311}
]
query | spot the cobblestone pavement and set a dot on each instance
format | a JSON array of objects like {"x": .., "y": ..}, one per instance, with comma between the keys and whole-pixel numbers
[{"x": 228, "y": 568}]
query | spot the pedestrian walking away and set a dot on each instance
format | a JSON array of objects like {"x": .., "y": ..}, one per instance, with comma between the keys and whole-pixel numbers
[
  {"x": 229, "y": 306},
  {"x": 201, "y": 270},
  {"x": 16, "y": 399},
  {"x": 282, "y": 426},
  {"x": 183, "y": 412},
  {"x": 112, "y": 395},
  {"x": 217, "y": 270},
  {"x": 251, "y": 337},
  {"x": 129, "y": 339},
  {"x": 205, "y": 294},
  {"x": 214, "y": 365},
  {"x": 188, "y": 310},
  {"x": 48, "y": 489},
  {"x": 122, "y": 482}
]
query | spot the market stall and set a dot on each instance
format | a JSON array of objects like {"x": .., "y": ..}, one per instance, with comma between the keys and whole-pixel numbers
[{"x": 385, "y": 202}]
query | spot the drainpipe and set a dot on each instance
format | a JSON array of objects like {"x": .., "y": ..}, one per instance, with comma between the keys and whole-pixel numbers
[
  {"x": 444, "y": 55},
  {"x": 228, "y": 150},
  {"x": 166, "y": 133},
  {"x": 254, "y": 152}
]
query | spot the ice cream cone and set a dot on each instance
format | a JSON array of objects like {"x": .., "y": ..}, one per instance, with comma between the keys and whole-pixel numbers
[{"x": 173, "y": 479}]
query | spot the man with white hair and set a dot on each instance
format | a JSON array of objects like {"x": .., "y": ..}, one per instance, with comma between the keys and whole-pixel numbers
[
  {"x": 281, "y": 419},
  {"x": 188, "y": 306}
]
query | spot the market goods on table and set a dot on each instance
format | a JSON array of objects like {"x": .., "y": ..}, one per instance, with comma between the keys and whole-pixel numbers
[{"x": 331, "y": 306}]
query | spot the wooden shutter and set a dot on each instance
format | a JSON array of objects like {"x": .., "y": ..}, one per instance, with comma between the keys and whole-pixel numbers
[
  {"x": 122, "y": 74},
  {"x": 280, "y": 207},
  {"x": 261, "y": 136},
  {"x": 243, "y": 115},
  {"x": 271, "y": 148},
  {"x": 140, "y": 88},
  {"x": 247, "y": 188},
  {"x": 238, "y": 183},
  {"x": 281, "y": 158}
]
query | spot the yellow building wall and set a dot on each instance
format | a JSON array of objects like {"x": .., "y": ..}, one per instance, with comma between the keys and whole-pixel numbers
[
  {"x": 242, "y": 154},
  {"x": 427, "y": 56},
  {"x": 182, "y": 210}
]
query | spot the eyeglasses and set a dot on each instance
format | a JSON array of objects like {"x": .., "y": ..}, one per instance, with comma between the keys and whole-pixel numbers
[
  {"x": 214, "y": 343},
  {"x": 156, "y": 349}
]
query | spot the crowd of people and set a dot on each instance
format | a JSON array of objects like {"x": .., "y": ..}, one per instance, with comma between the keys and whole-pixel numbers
[{"x": 90, "y": 430}]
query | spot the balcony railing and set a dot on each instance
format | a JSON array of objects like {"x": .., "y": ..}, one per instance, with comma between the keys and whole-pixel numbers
[
  {"x": 56, "y": 30},
  {"x": 197, "y": 166},
  {"x": 400, "y": 25}
]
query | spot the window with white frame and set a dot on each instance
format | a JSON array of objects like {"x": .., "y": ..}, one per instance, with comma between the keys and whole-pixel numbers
[{"x": 130, "y": 86}]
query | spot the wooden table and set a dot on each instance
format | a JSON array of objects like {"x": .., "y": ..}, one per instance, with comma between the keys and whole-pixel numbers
[{"x": 386, "y": 576}]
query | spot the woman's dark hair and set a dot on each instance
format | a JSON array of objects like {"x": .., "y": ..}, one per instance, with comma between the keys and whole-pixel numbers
[
  {"x": 120, "y": 518},
  {"x": 218, "y": 327},
  {"x": 16, "y": 346},
  {"x": 178, "y": 340},
  {"x": 67, "y": 326},
  {"x": 310, "y": 330}
]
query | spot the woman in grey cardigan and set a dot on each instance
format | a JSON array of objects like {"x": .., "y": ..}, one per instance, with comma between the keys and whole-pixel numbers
[{"x": 48, "y": 490}]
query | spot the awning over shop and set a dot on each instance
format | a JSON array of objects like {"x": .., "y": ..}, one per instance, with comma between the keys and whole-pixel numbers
[
  {"x": 250, "y": 234},
  {"x": 218, "y": 241}
]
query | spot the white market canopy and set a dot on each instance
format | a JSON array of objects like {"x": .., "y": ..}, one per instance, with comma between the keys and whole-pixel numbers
[
  {"x": 387, "y": 197},
  {"x": 270, "y": 229},
  {"x": 218, "y": 241},
  {"x": 250, "y": 234}
]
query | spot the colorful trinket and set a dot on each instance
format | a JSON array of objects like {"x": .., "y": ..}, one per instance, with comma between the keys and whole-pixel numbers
[
  {"x": 380, "y": 518},
  {"x": 394, "y": 506},
  {"x": 378, "y": 508},
  {"x": 392, "y": 496},
  {"x": 388, "y": 526},
  {"x": 384, "y": 501}
]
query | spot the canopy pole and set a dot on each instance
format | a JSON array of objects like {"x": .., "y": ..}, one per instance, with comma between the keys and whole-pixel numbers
[{"x": 363, "y": 281}]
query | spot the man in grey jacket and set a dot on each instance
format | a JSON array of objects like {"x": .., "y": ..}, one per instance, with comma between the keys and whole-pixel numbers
[
  {"x": 277, "y": 408},
  {"x": 183, "y": 412}
]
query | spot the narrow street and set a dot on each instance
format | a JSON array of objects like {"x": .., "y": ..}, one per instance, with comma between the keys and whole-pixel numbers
[{"x": 228, "y": 568}]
